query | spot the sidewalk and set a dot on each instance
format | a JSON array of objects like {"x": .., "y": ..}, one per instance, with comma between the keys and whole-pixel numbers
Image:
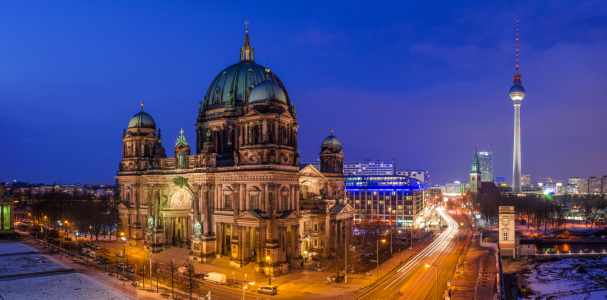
[{"x": 464, "y": 284}]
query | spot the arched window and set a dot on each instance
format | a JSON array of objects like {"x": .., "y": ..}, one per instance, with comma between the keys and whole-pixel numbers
[{"x": 254, "y": 202}]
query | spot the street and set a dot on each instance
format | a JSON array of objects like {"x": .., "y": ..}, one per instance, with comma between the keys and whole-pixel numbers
[{"x": 413, "y": 280}]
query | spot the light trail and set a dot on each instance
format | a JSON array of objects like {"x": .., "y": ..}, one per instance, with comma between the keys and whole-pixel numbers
[{"x": 421, "y": 258}]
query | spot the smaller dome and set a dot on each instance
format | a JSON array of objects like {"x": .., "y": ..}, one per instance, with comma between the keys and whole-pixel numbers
[
  {"x": 517, "y": 92},
  {"x": 267, "y": 91},
  {"x": 142, "y": 120},
  {"x": 331, "y": 141}
]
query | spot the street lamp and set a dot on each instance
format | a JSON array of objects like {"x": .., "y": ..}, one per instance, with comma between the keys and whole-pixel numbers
[
  {"x": 244, "y": 285},
  {"x": 383, "y": 241},
  {"x": 428, "y": 266}
]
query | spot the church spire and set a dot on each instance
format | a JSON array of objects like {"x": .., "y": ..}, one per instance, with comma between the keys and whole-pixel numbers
[{"x": 247, "y": 52}]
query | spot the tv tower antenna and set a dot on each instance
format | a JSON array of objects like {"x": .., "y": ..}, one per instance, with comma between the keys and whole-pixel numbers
[{"x": 516, "y": 46}]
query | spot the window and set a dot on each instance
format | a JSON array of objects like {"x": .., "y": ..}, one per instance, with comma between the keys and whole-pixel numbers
[
  {"x": 381, "y": 202},
  {"x": 227, "y": 200},
  {"x": 357, "y": 201},
  {"x": 505, "y": 235},
  {"x": 254, "y": 202},
  {"x": 315, "y": 243},
  {"x": 387, "y": 198},
  {"x": 285, "y": 202},
  {"x": 505, "y": 221},
  {"x": 369, "y": 202},
  {"x": 315, "y": 227},
  {"x": 400, "y": 207},
  {"x": 304, "y": 192},
  {"x": 393, "y": 212}
]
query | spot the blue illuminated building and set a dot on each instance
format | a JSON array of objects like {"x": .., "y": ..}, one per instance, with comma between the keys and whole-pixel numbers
[{"x": 397, "y": 200}]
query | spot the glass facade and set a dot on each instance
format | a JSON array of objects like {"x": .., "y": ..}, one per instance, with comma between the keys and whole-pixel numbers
[
  {"x": 393, "y": 199},
  {"x": 486, "y": 166}
]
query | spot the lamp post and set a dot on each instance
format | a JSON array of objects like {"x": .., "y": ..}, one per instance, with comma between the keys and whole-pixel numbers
[
  {"x": 269, "y": 272},
  {"x": 76, "y": 236},
  {"x": 244, "y": 285},
  {"x": 428, "y": 266},
  {"x": 383, "y": 241}
]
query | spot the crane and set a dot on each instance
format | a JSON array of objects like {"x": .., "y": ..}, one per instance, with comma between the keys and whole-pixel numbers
[{"x": 548, "y": 180}]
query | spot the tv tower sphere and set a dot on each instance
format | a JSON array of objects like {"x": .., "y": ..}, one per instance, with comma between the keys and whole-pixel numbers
[{"x": 517, "y": 92}]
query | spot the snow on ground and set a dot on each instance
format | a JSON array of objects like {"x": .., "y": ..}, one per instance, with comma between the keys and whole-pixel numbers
[
  {"x": 13, "y": 248},
  {"x": 60, "y": 287},
  {"x": 25, "y": 264},
  {"x": 569, "y": 278}
]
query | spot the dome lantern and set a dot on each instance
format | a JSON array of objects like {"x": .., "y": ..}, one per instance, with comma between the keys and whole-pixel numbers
[{"x": 247, "y": 53}]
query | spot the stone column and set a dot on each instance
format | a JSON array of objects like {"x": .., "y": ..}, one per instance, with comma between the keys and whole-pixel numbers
[
  {"x": 297, "y": 197},
  {"x": 263, "y": 202},
  {"x": 219, "y": 195},
  {"x": 205, "y": 209},
  {"x": 196, "y": 209},
  {"x": 235, "y": 198},
  {"x": 264, "y": 131},
  {"x": 242, "y": 202},
  {"x": 292, "y": 197}
]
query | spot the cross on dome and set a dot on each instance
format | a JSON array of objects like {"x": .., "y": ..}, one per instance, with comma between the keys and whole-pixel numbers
[{"x": 181, "y": 131}]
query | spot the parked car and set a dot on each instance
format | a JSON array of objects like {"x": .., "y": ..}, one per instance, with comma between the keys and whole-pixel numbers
[
  {"x": 87, "y": 244},
  {"x": 85, "y": 250},
  {"x": 267, "y": 289},
  {"x": 96, "y": 247},
  {"x": 68, "y": 239},
  {"x": 120, "y": 266},
  {"x": 130, "y": 269},
  {"x": 92, "y": 254},
  {"x": 119, "y": 254}
]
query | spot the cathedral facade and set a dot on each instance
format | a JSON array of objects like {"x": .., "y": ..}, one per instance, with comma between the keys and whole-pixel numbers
[{"x": 240, "y": 192}]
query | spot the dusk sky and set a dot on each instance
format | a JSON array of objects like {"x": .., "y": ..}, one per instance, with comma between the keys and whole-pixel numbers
[{"x": 422, "y": 82}]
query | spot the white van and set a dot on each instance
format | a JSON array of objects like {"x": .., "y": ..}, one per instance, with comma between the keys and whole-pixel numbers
[
  {"x": 85, "y": 250},
  {"x": 216, "y": 278},
  {"x": 92, "y": 254},
  {"x": 267, "y": 289}
]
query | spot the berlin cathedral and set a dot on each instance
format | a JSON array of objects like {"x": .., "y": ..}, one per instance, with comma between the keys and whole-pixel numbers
[{"x": 242, "y": 194}]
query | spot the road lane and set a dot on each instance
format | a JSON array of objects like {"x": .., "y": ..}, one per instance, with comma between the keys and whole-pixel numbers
[{"x": 404, "y": 278}]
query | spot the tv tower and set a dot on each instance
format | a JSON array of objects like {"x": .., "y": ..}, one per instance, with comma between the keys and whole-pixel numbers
[{"x": 517, "y": 93}]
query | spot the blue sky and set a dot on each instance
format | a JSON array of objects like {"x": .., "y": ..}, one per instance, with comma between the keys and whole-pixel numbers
[{"x": 419, "y": 81}]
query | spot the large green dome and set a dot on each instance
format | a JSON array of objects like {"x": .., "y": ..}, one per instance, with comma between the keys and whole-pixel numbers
[{"x": 235, "y": 83}]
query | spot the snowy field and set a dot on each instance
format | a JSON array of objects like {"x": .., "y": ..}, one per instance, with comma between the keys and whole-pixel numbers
[
  {"x": 13, "y": 248},
  {"x": 25, "y": 264},
  {"x": 569, "y": 278},
  {"x": 60, "y": 287}
]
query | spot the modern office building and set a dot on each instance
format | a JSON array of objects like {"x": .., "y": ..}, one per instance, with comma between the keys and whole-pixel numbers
[
  {"x": 485, "y": 160},
  {"x": 526, "y": 180},
  {"x": 421, "y": 175},
  {"x": 398, "y": 200},
  {"x": 364, "y": 167},
  {"x": 517, "y": 93}
]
